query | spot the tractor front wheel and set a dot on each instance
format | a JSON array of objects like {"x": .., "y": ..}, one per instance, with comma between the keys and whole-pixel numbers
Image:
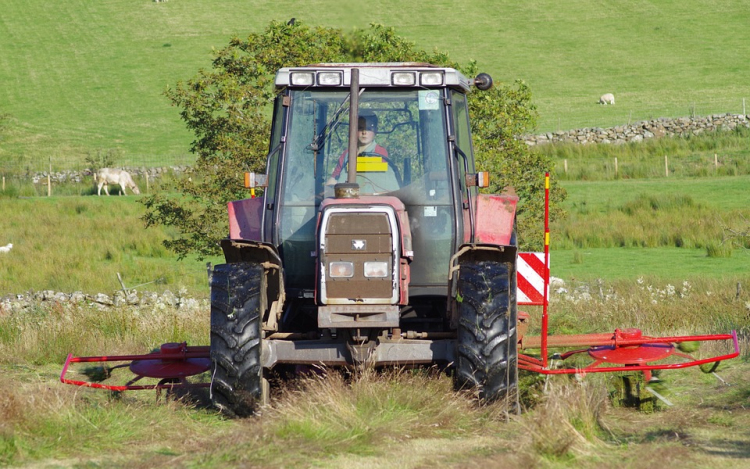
[
  {"x": 237, "y": 302},
  {"x": 487, "y": 348}
]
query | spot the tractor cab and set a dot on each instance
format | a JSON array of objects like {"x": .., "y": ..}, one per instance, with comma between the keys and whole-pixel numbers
[{"x": 418, "y": 150}]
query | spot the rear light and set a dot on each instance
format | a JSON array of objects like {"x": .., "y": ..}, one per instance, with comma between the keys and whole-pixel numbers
[
  {"x": 341, "y": 269},
  {"x": 376, "y": 269},
  {"x": 302, "y": 78},
  {"x": 483, "y": 179},
  {"x": 404, "y": 78}
]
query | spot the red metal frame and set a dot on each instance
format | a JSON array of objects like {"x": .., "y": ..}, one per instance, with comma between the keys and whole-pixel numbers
[
  {"x": 630, "y": 339},
  {"x": 182, "y": 354}
]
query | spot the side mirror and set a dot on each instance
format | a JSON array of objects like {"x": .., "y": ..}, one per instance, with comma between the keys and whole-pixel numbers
[{"x": 483, "y": 81}]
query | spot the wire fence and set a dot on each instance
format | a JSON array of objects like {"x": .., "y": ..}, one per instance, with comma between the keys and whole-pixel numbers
[{"x": 30, "y": 167}]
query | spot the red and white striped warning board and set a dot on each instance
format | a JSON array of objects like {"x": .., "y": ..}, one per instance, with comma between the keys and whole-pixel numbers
[{"x": 530, "y": 278}]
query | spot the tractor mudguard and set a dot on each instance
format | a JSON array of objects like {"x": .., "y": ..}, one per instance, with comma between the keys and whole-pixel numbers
[
  {"x": 495, "y": 218},
  {"x": 265, "y": 255},
  {"x": 242, "y": 250},
  {"x": 245, "y": 218}
]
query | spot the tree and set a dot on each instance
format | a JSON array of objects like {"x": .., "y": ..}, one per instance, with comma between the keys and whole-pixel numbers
[{"x": 229, "y": 108}]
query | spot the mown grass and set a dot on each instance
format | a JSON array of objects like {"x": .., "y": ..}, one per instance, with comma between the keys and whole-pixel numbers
[
  {"x": 692, "y": 227},
  {"x": 690, "y": 213}
]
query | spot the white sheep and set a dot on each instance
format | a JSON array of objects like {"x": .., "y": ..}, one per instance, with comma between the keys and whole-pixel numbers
[
  {"x": 608, "y": 98},
  {"x": 6, "y": 248},
  {"x": 106, "y": 176}
]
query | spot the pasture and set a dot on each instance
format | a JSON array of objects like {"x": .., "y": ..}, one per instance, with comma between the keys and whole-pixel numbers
[
  {"x": 401, "y": 418},
  {"x": 82, "y": 77},
  {"x": 637, "y": 249}
]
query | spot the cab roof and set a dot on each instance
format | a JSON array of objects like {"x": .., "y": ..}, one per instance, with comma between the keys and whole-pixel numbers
[{"x": 381, "y": 74}]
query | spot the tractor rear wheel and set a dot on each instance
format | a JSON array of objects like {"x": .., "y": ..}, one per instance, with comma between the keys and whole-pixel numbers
[
  {"x": 487, "y": 345},
  {"x": 237, "y": 303}
]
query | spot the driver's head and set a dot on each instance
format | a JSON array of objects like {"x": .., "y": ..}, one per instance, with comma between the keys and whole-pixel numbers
[
  {"x": 367, "y": 127},
  {"x": 368, "y": 121}
]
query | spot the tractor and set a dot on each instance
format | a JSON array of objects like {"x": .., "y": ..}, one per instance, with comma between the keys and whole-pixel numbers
[
  {"x": 398, "y": 262},
  {"x": 371, "y": 245}
]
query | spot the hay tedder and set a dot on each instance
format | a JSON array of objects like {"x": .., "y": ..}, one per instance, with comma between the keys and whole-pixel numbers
[{"x": 371, "y": 244}]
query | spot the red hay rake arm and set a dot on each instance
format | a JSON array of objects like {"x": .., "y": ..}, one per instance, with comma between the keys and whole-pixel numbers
[
  {"x": 171, "y": 365},
  {"x": 627, "y": 349},
  {"x": 629, "y": 354}
]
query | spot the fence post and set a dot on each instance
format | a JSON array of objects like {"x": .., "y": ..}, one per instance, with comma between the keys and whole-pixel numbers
[
  {"x": 565, "y": 165},
  {"x": 666, "y": 165},
  {"x": 147, "y": 182},
  {"x": 716, "y": 162},
  {"x": 615, "y": 167}
]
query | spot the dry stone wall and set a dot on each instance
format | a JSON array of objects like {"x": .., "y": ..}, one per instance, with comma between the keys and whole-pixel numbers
[
  {"x": 26, "y": 302},
  {"x": 640, "y": 131},
  {"x": 86, "y": 175}
]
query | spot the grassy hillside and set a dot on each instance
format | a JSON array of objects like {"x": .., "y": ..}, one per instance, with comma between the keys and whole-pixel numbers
[
  {"x": 81, "y": 244},
  {"x": 83, "y": 76}
]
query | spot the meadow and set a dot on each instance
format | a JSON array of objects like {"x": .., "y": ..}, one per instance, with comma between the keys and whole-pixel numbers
[
  {"x": 614, "y": 276},
  {"x": 81, "y": 77},
  {"x": 667, "y": 253},
  {"x": 396, "y": 418}
]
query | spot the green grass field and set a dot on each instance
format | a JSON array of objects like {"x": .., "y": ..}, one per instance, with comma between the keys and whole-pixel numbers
[
  {"x": 80, "y": 76},
  {"x": 81, "y": 243},
  {"x": 85, "y": 77},
  {"x": 659, "y": 228}
]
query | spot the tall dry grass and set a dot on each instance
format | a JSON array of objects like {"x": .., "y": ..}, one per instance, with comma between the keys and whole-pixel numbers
[
  {"x": 46, "y": 333},
  {"x": 568, "y": 424},
  {"x": 360, "y": 419},
  {"x": 722, "y": 153},
  {"x": 657, "y": 308},
  {"x": 653, "y": 220}
]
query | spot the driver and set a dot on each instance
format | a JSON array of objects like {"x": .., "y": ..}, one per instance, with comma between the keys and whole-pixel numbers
[{"x": 366, "y": 130}]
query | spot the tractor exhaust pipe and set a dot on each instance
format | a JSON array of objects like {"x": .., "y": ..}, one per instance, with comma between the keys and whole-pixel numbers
[
  {"x": 353, "y": 121},
  {"x": 350, "y": 189}
]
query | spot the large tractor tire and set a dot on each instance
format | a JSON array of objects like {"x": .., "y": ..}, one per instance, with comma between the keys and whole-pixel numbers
[
  {"x": 237, "y": 302},
  {"x": 487, "y": 345}
]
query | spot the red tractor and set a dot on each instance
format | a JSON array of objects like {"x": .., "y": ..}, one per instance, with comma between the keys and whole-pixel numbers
[{"x": 371, "y": 244}]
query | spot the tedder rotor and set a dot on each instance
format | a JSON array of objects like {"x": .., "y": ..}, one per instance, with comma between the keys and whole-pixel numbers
[{"x": 371, "y": 244}]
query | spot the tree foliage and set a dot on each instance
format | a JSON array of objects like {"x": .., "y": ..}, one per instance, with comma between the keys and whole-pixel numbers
[{"x": 228, "y": 108}]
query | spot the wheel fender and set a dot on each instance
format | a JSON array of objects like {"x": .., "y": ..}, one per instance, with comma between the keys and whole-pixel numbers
[
  {"x": 245, "y": 218},
  {"x": 473, "y": 253},
  {"x": 495, "y": 217}
]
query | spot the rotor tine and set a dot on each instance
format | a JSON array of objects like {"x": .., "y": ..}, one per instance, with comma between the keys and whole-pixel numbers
[
  {"x": 132, "y": 381},
  {"x": 658, "y": 396}
]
